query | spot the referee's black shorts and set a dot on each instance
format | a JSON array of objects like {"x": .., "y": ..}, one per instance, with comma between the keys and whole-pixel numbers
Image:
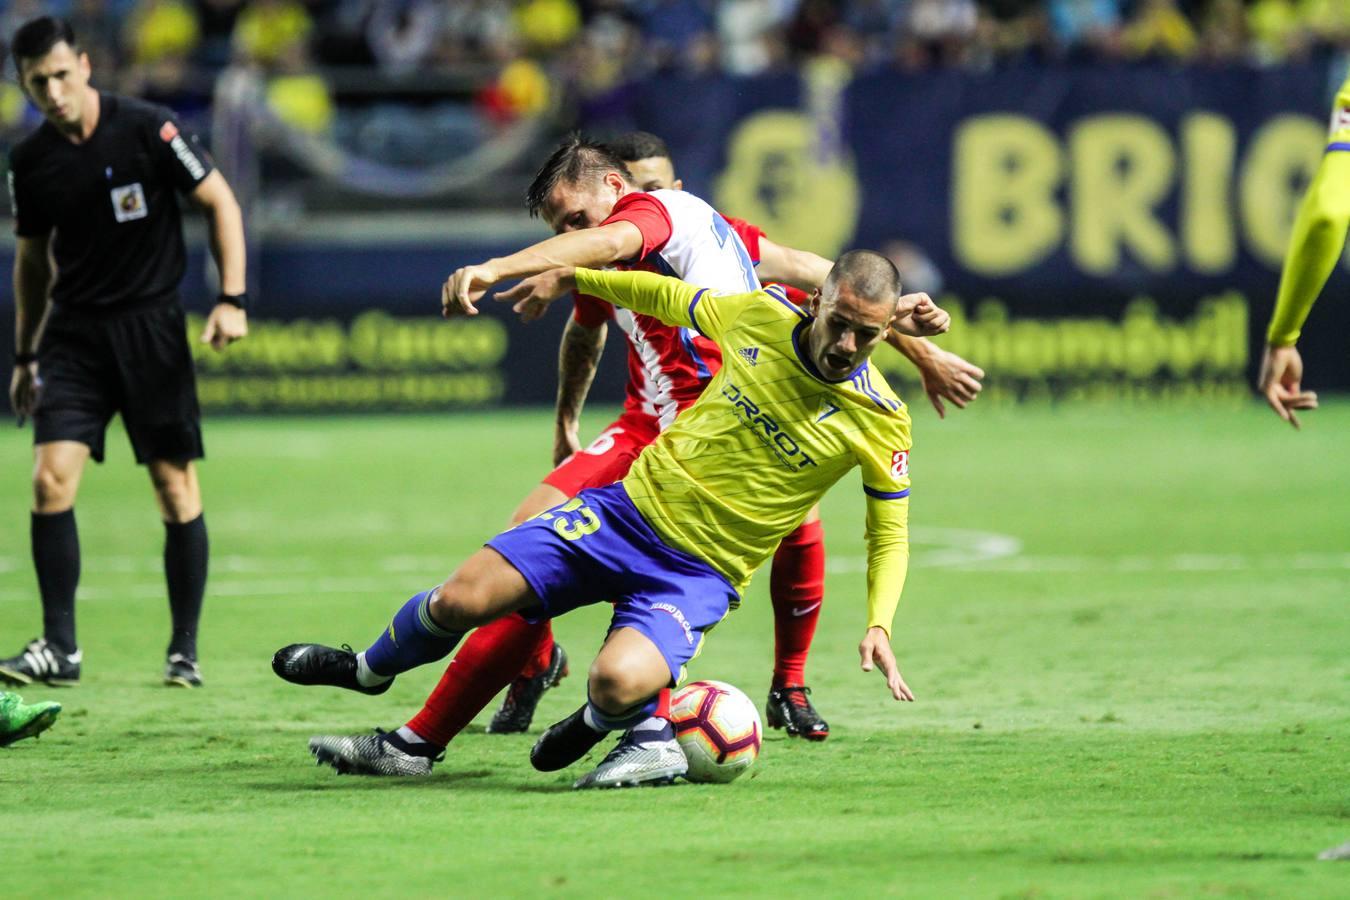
[{"x": 136, "y": 363}]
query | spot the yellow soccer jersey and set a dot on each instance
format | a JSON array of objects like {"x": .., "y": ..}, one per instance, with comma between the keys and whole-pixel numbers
[
  {"x": 742, "y": 467},
  {"x": 1318, "y": 238}
]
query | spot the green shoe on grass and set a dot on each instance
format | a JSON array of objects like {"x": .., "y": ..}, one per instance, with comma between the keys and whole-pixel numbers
[{"x": 19, "y": 720}]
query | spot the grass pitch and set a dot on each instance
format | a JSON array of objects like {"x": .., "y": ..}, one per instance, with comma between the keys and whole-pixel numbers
[{"x": 1127, "y": 628}]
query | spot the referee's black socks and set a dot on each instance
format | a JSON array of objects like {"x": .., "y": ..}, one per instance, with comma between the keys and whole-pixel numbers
[
  {"x": 56, "y": 557},
  {"x": 185, "y": 557}
]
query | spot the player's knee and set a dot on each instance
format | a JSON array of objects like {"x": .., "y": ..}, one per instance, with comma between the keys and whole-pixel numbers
[
  {"x": 614, "y": 687},
  {"x": 178, "y": 497},
  {"x": 460, "y": 605},
  {"x": 53, "y": 489}
]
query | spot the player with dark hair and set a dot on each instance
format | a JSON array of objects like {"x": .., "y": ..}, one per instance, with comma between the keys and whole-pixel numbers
[
  {"x": 512, "y": 648},
  {"x": 794, "y": 407},
  {"x": 1314, "y": 247},
  {"x": 102, "y": 332}
]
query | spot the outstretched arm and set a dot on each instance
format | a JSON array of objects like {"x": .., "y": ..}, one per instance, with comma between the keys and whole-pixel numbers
[
  {"x": 1315, "y": 246},
  {"x": 799, "y": 268},
  {"x": 591, "y": 247},
  {"x": 887, "y": 566},
  {"x": 945, "y": 375}
]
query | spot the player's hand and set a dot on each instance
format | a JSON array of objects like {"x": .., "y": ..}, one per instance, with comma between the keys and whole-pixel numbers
[
  {"x": 566, "y": 443},
  {"x": 875, "y": 650},
  {"x": 25, "y": 388},
  {"x": 1280, "y": 383},
  {"x": 464, "y": 288},
  {"x": 919, "y": 316},
  {"x": 531, "y": 298},
  {"x": 947, "y": 376},
  {"x": 226, "y": 324}
]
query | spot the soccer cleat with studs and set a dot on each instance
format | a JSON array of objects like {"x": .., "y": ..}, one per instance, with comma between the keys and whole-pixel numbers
[
  {"x": 522, "y": 697},
  {"x": 311, "y": 664},
  {"x": 564, "y": 743},
  {"x": 19, "y": 720},
  {"x": 369, "y": 754},
  {"x": 40, "y": 661},
  {"x": 637, "y": 762},
  {"x": 182, "y": 671},
  {"x": 790, "y": 708}
]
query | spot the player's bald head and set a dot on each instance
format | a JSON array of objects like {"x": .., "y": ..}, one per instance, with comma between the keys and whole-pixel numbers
[
  {"x": 576, "y": 162},
  {"x": 853, "y": 311},
  {"x": 865, "y": 275}
]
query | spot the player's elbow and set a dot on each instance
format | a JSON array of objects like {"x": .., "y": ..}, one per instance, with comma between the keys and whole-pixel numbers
[{"x": 616, "y": 242}]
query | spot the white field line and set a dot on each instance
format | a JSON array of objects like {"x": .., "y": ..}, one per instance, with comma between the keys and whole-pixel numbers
[{"x": 958, "y": 549}]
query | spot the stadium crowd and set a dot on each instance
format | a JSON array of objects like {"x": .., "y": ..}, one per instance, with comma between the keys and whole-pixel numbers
[
  {"x": 159, "y": 44},
  {"x": 411, "y": 82}
]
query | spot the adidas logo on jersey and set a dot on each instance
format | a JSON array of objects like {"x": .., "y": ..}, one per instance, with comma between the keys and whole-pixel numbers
[{"x": 749, "y": 354}]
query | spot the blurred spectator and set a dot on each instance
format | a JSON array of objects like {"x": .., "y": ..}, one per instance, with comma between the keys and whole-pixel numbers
[
  {"x": 99, "y": 31},
  {"x": 940, "y": 32},
  {"x": 268, "y": 30},
  {"x": 160, "y": 29},
  {"x": 403, "y": 34},
  {"x": 677, "y": 33},
  {"x": 751, "y": 33},
  {"x": 546, "y": 25},
  {"x": 1159, "y": 31},
  {"x": 478, "y": 31},
  {"x": 1223, "y": 33},
  {"x": 297, "y": 95},
  {"x": 1084, "y": 28}
]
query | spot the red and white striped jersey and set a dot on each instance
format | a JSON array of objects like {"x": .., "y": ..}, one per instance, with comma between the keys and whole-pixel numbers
[{"x": 682, "y": 236}]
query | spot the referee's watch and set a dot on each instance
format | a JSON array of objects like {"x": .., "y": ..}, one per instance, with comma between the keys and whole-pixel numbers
[{"x": 239, "y": 300}]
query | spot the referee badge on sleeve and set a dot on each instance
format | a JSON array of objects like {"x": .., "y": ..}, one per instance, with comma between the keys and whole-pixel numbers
[{"x": 129, "y": 202}]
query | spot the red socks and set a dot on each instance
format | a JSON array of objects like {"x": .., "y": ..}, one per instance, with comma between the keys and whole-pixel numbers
[
  {"x": 797, "y": 587},
  {"x": 488, "y": 660}
]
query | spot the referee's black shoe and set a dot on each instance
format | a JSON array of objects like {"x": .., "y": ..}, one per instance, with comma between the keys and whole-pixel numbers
[
  {"x": 317, "y": 664},
  {"x": 40, "y": 661},
  {"x": 790, "y": 708},
  {"x": 565, "y": 743},
  {"x": 522, "y": 697},
  {"x": 182, "y": 671}
]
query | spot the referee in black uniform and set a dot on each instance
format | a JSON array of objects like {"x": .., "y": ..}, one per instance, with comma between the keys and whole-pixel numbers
[{"x": 99, "y": 329}]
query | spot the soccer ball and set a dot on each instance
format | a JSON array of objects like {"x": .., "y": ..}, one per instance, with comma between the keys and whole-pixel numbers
[{"x": 718, "y": 728}]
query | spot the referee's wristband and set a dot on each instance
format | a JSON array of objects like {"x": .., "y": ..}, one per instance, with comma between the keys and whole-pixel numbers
[
  {"x": 239, "y": 300},
  {"x": 23, "y": 359}
]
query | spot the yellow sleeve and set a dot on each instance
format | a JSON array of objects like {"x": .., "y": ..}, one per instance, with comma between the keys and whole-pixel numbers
[
  {"x": 1319, "y": 232},
  {"x": 669, "y": 299},
  {"x": 885, "y": 471},
  {"x": 887, "y": 557}
]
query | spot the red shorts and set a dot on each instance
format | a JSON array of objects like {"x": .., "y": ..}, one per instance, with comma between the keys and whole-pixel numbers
[{"x": 608, "y": 457}]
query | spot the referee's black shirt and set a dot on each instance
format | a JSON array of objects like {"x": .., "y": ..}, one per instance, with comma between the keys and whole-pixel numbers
[{"x": 109, "y": 203}]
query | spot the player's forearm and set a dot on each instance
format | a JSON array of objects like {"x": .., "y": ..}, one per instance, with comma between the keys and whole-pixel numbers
[
  {"x": 667, "y": 299},
  {"x": 578, "y": 359},
  {"x": 1315, "y": 246},
  {"x": 226, "y": 226},
  {"x": 887, "y": 559},
  {"x": 32, "y": 289},
  {"x": 799, "y": 268},
  {"x": 917, "y": 350},
  {"x": 590, "y": 247}
]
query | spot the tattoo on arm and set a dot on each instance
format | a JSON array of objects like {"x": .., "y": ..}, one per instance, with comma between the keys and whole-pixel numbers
[{"x": 578, "y": 359}]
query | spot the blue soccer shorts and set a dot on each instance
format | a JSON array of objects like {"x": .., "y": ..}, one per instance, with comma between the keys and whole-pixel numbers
[{"x": 597, "y": 547}]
